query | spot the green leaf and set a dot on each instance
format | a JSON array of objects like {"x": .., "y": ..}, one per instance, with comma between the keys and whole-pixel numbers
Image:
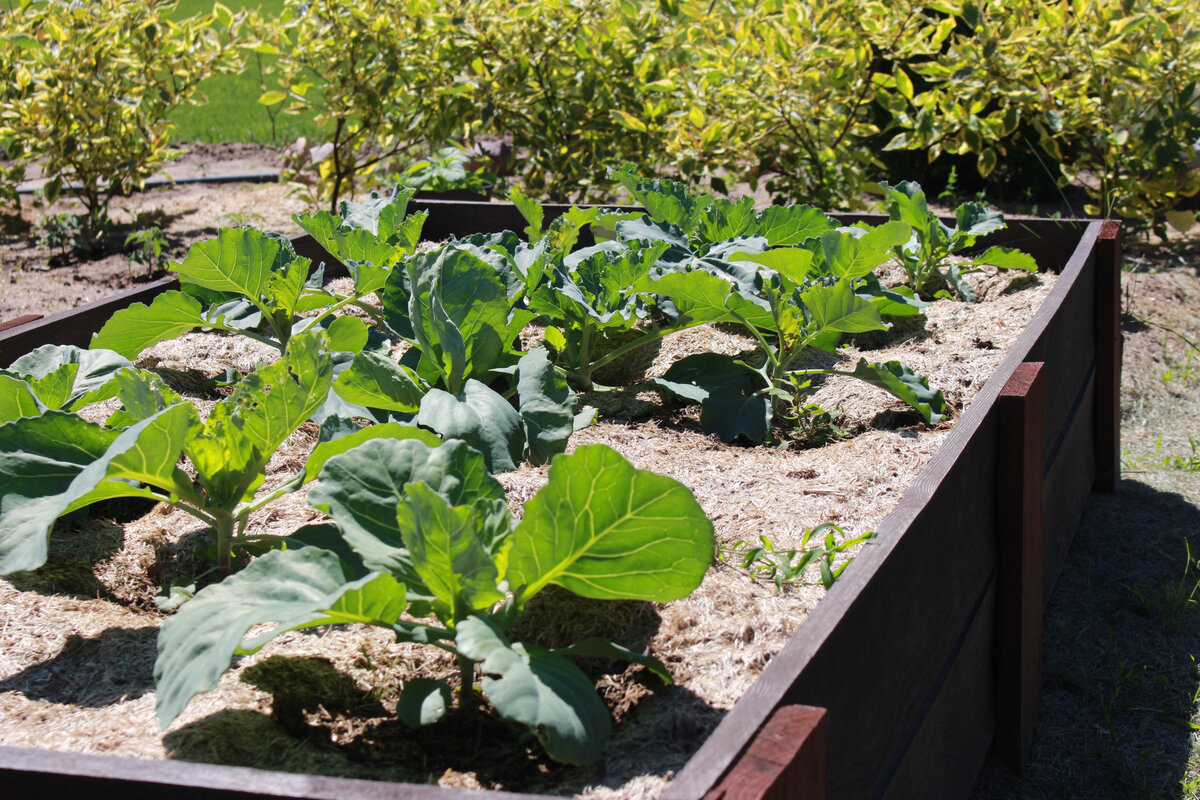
[
  {"x": 132, "y": 329},
  {"x": 459, "y": 312},
  {"x": 372, "y": 255},
  {"x": 545, "y": 692},
  {"x": 65, "y": 377},
  {"x": 725, "y": 220},
  {"x": 57, "y": 462},
  {"x": 728, "y": 392},
  {"x": 975, "y": 219},
  {"x": 531, "y": 210},
  {"x": 17, "y": 399},
  {"x": 899, "y": 381},
  {"x": 595, "y": 647},
  {"x": 348, "y": 334},
  {"x": 665, "y": 201},
  {"x": 363, "y": 490},
  {"x": 449, "y": 555},
  {"x": 376, "y": 381},
  {"x": 238, "y": 260},
  {"x": 480, "y": 417},
  {"x": 389, "y": 430},
  {"x": 292, "y": 588},
  {"x": 547, "y": 407},
  {"x": 786, "y": 226},
  {"x": 603, "y": 529},
  {"x": 790, "y": 262},
  {"x": 1005, "y": 259},
  {"x": 381, "y": 215},
  {"x": 847, "y": 256},
  {"x": 837, "y": 309},
  {"x": 701, "y": 296},
  {"x": 423, "y": 702}
]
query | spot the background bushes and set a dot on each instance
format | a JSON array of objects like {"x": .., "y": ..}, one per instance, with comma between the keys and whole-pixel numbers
[{"x": 814, "y": 100}]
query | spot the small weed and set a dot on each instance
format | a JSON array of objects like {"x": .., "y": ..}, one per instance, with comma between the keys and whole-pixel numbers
[
  {"x": 234, "y": 219},
  {"x": 1170, "y": 600},
  {"x": 1157, "y": 460},
  {"x": 787, "y": 567},
  {"x": 59, "y": 232},
  {"x": 148, "y": 246}
]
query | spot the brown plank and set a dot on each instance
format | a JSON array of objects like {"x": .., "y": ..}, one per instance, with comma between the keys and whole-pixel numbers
[
  {"x": 77, "y": 325},
  {"x": 945, "y": 754},
  {"x": 1068, "y": 486},
  {"x": 1019, "y": 542},
  {"x": 21, "y": 320},
  {"x": 785, "y": 761},
  {"x": 1108, "y": 357},
  {"x": 28, "y": 773}
]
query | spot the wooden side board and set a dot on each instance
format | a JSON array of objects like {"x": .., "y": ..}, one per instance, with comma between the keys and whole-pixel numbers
[{"x": 902, "y": 651}]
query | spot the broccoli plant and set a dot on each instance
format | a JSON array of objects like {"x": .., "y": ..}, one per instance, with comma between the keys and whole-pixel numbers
[
  {"x": 54, "y": 462},
  {"x": 790, "y": 277},
  {"x": 253, "y": 283},
  {"x": 925, "y": 255},
  {"x": 425, "y": 532}
]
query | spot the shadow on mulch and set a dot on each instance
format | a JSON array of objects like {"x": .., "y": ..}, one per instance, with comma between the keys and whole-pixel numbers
[{"x": 115, "y": 666}]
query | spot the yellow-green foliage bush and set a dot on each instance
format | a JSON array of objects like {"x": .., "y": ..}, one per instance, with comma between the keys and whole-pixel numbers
[
  {"x": 1105, "y": 90},
  {"x": 383, "y": 80},
  {"x": 93, "y": 84}
]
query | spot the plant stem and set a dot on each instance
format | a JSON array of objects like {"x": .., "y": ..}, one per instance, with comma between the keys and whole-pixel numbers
[
  {"x": 466, "y": 672},
  {"x": 224, "y": 530}
]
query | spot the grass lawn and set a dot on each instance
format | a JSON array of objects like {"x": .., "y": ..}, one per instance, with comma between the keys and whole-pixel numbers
[{"x": 232, "y": 113}]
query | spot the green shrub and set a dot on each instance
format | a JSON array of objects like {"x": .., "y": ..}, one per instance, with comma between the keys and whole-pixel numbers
[
  {"x": 1108, "y": 89},
  {"x": 381, "y": 80},
  {"x": 94, "y": 85}
]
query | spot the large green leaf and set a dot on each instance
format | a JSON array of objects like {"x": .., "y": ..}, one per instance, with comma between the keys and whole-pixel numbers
[
  {"x": 352, "y": 245},
  {"x": 459, "y": 312},
  {"x": 838, "y": 309},
  {"x": 787, "y": 226},
  {"x": 606, "y": 530},
  {"x": 292, "y": 588},
  {"x": 376, "y": 381},
  {"x": 728, "y": 392},
  {"x": 388, "y": 430},
  {"x": 1006, "y": 259},
  {"x": 65, "y": 377},
  {"x": 57, "y": 462},
  {"x": 701, "y": 296},
  {"x": 547, "y": 407},
  {"x": 545, "y": 692},
  {"x": 899, "y": 381},
  {"x": 449, "y": 555},
  {"x": 480, "y": 417},
  {"x": 238, "y": 260},
  {"x": 666, "y": 201},
  {"x": 848, "y": 256},
  {"x": 363, "y": 490},
  {"x": 17, "y": 399},
  {"x": 381, "y": 215},
  {"x": 132, "y": 329}
]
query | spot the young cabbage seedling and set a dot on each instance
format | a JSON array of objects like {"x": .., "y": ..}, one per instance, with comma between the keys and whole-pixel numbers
[
  {"x": 928, "y": 250},
  {"x": 425, "y": 532},
  {"x": 253, "y": 283}
]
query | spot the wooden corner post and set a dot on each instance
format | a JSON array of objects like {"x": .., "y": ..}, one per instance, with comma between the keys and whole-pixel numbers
[
  {"x": 785, "y": 761},
  {"x": 1020, "y": 473},
  {"x": 1108, "y": 356}
]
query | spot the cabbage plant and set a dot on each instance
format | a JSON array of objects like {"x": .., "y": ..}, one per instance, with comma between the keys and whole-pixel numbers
[{"x": 423, "y": 544}]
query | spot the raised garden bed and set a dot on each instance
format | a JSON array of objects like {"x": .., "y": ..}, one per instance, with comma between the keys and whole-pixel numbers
[{"x": 904, "y": 651}]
